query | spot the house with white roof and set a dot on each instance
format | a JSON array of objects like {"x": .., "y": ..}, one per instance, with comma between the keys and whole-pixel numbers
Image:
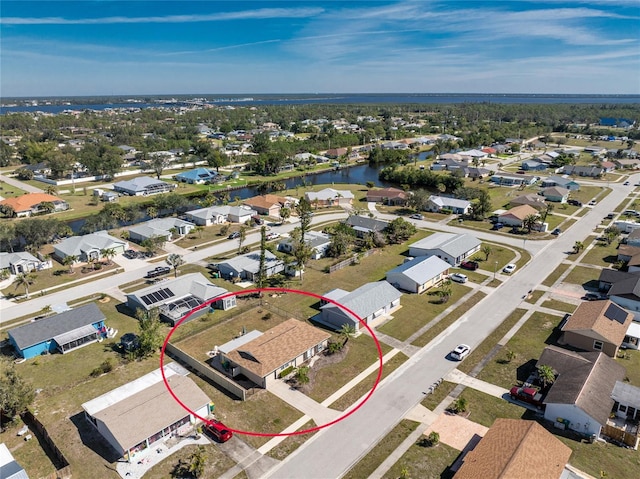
[
  {"x": 89, "y": 246},
  {"x": 22, "y": 262},
  {"x": 455, "y": 205},
  {"x": 215, "y": 215},
  {"x": 9, "y": 467},
  {"x": 247, "y": 266},
  {"x": 177, "y": 297},
  {"x": 141, "y": 413},
  {"x": 143, "y": 186},
  {"x": 330, "y": 197},
  {"x": 418, "y": 274},
  {"x": 317, "y": 241},
  {"x": 160, "y": 227},
  {"x": 371, "y": 302},
  {"x": 450, "y": 247}
]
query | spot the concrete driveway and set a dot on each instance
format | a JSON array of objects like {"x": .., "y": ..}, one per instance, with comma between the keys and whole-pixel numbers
[{"x": 456, "y": 431}]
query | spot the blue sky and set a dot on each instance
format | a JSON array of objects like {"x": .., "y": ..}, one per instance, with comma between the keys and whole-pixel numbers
[{"x": 163, "y": 47}]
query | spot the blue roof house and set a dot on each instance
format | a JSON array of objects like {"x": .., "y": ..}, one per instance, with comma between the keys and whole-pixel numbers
[
  {"x": 197, "y": 176},
  {"x": 63, "y": 332}
]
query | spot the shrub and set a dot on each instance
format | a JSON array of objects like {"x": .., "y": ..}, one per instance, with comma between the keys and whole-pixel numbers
[
  {"x": 285, "y": 372},
  {"x": 105, "y": 367}
]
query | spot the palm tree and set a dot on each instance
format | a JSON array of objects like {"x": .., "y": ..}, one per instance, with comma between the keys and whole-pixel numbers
[
  {"x": 47, "y": 207},
  {"x": 302, "y": 375},
  {"x": 346, "y": 331},
  {"x": 198, "y": 462},
  {"x": 175, "y": 261},
  {"x": 578, "y": 246},
  {"x": 152, "y": 212},
  {"x": 24, "y": 280},
  {"x": 530, "y": 221},
  {"x": 546, "y": 375},
  {"x": 445, "y": 291},
  {"x": 108, "y": 253},
  {"x": 198, "y": 229},
  {"x": 51, "y": 190},
  {"x": 486, "y": 249},
  {"x": 242, "y": 237},
  {"x": 69, "y": 261},
  {"x": 547, "y": 211},
  {"x": 285, "y": 214}
]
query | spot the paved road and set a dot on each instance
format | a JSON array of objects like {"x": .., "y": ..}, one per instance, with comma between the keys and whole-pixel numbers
[
  {"x": 20, "y": 185},
  {"x": 333, "y": 451}
]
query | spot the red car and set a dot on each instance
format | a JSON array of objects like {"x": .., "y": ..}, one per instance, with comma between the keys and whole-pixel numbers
[
  {"x": 528, "y": 395},
  {"x": 218, "y": 430},
  {"x": 470, "y": 265}
]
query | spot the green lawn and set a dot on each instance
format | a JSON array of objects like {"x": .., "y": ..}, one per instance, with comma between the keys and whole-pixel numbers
[
  {"x": 425, "y": 462},
  {"x": 484, "y": 408},
  {"x": 527, "y": 344},
  {"x": 630, "y": 359},
  {"x": 602, "y": 254},
  {"x": 448, "y": 320},
  {"x": 583, "y": 275},
  {"x": 441, "y": 392},
  {"x": 559, "y": 305},
  {"x": 381, "y": 451},
  {"x": 535, "y": 296},
  {"x": 553, "y": 277}
]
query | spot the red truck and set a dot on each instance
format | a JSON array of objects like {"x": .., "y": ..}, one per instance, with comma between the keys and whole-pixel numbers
[{"x": 528, "y": 395}]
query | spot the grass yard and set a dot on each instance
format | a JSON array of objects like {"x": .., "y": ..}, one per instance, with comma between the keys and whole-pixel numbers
[
  {"x": 630, "y": 359},
  {"x": 602, "y": 254},
  {"x": 484, "y": 408},
  {"x": 583, "y": 275},
  {"x": 559, "y": 305},
  {"x": 207, "y": 235},
  {"x": 527, "y": 344},
  {"x": 448, "y": 320},
  {"x": 535, "y": 296},
  {"x": 555, "y": 276},
  {"x": 587, "y": 193},
  {"x": 432, "y": 401},
  {"x": 216, "y": 462},
  {"x": 425, "y": 462},
  {"x": 616, "y": 462},
  {"x": 364, "y": 386},
  {"x": 362, "y": 354},
  {"x": 500, "y": 254},
  {"x": 291, "y": 443},
  {"x": 418, "y": 310},
  {"x": 488, "y": 344},
  {"x": 381, "y": 451}
]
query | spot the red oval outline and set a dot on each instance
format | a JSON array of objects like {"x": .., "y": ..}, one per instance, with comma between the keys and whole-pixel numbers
[{"x": 275, "y": 290}]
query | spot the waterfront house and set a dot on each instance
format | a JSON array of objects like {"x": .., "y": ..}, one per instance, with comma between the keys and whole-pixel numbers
[
  {"x": 160, "y": 227},
  {"x": 143, "y": 186},
  {"x": 330, "y": 197},
  {"x": 197, "y": 176},
  {"x": 388, "y": 196}
]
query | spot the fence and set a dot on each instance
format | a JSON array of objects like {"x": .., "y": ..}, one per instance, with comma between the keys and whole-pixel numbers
[
  {"x": 63, "y": 469},
  {"x": 206, "y": 371},
  {"x": 619, "y": 435},
  {"x": 347, "y": 262}
]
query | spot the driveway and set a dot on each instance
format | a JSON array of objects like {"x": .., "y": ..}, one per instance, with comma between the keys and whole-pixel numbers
[{"x": 456, "y": 431}]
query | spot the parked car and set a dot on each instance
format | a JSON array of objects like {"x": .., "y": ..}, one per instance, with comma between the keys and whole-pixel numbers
[
  {"x": 416, "y": 216},
  {"x": 218, "y": 430},
  {"x": 470, "y": 265},
  {"x": 528, "y": 395},
  {"x": 610, "y": 216},
  {"x": 257, "y": 220},
  {"x": 574, "y": 202},
  {"x": 234, "y": 235},
  {"x": 498, "y": 226},
  {"x": 510, "y": 268},
  {"x": 592, "y": 203},
  {"x": 272, "y": 236},
  {"x": 158, "y": 271},
  {"x": 626, "y": 183},
  {"x": 556, "y": 232},
  {"x": 458, "y": 277},
  {"x": 461, "y": 352},
  {"x": 593, "y": 296},
  {"x": 130, "y": 254}
]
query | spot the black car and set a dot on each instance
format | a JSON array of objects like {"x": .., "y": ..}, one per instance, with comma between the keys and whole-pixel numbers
[
  {"x": 574, "y": 202},
  {"x": 234, "y": 235},
  {"x": 131, "y": 254},
  {"x": 159, "y": 271}
]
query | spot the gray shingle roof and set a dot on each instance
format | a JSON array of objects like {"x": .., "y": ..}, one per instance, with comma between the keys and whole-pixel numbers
[
  {"x": 7, "y": 259},
  {"x": 421, "y": 269},
  {"x": 368, "y": 298},
  {"x": 47, "y": 328},
  {"x": 584, "y": 379},
  {"x": 158, "y": 227},
  {"x": 75, "y": 245},
  {"x": 250, "y": 262},
  {"x": 364, "y": 223}
]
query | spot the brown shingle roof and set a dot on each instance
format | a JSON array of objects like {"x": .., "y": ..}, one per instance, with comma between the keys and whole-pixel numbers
[
  {"x": 387, "y": 193},
  {"x": 28, "y": 201},
  {"x": 510, "y": 448},
  {"x": 597, "y": 320},
  {"x": 520, "y": 212},
  {"x": 584, "y": 379},
  {"x": 265, "y": 201},
  {"x": 277, "y": 346}
]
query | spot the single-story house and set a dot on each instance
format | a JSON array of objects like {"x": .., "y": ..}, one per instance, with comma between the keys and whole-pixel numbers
[
  {"x": 143, "y": 186},
  {"x": 589, "y": 171},
  {"x": 476, "y": 172},
  {"x": 508, "y": 179},
  {"x": 388, "y": 196},
  {"x": 626, "y": 293},
  {"x": 608, "y": 166},
  {"x": 455, "y": 205},
  {"x": 197, "y": 176},
  {"x": 536, "y": 201},
  {"x": 215, "y": 215},
  {"x": 597, "y": 326},
  {"x": 317, "y": 241},
  {"x": 22, "y": 262},
  {"x": 418, "y": 274},
  {"x": 139, "y": 414},
  {"x": 479, "y": 154},
  {"x": 89, "y": 246},
  {"x": 557, "y": 194},
  {"x": 512, "y": 446},
  {"x": 632, "y": 338},
  {"x": 336, "y": 152},
  {"x": 9, "y": 467},
  {"x": 247, "y": 266},
  {"x": 580, "y": 397},
  {"x": 634, "y": 238},
  {"x": 567, "y": 183},
  {"x": 448, "y": 164},
  {"x": 261, "y": 357},
  {"x": 450, "y": 247},
  {"x": 268, "y": 205},
  {"x": 627, "y": 252},
  {"x": 609, "y": 276},
  {"x": 533, "y": 165},
  {"x": 162, "y": 227},
  {"x": 330, "y": 197},
  {"x": 626, "y": 401},
  {"x": 631, "y": 164},
  {"x": 33, "y": 204},
  {"x": 617, "y": 122},
  {"x": 63, "y": 332},
  {"x": 371, "y": 302},
  {"x": 515, "y": 216},
  {"x": 364, "y": 225},
  {"x": 175, "y": 298}
]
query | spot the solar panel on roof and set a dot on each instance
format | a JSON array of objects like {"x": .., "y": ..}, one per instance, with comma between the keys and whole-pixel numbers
[
  {"x": 169, "y": 292},
  {"x": 616, "y": 313},
  {"x": 146, "y": 300}
]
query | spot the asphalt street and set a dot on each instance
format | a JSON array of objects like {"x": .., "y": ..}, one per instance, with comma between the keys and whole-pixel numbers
[{"x": 333, "y": 451}]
